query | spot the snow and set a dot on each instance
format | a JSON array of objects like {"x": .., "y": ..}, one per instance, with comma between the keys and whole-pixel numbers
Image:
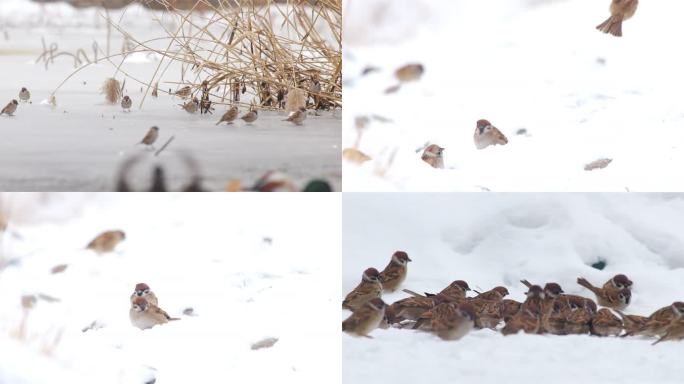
[
  {"x": 499, "y": 239},
  {"x": 580, "y": 94},
  {"x": 209, "y": 253},
  {"x": 80, "y": 144}
]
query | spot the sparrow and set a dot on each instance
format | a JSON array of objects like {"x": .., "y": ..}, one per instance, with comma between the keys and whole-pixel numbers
[
  {"x": 126, "y": 103},
  {"x": 632, "y": 323},
  {"x": 355, "y": 156},
  {"x": 297, "y": 117},
  {"x": 618, "y": 282},
  {"x": 150, "y": 137},
  {"x": 611, "y": 298},
  {"x": 144, "y": 315},
  {"x": 106, "y": 241},
  {"x": 369, "y": 288},
  {"x": 395, "y": 272},
  {"x": 366, "y": 319},
  {"x": 528, "y": 319},
  {"x": 143, "y": 290},
  {"x": 555, "y": 321},
  {"x": 184, "y": 92},
  {"x": 409, "y": 72},
  {"x": 230, "y": 115},
  {"x": 620, "y": 10},
  {"x": 455, "y": 291},
  {"x": 411, "y": 308},
  {"x": 488, "y": 313},
  {"x": 674, "y": 332},
  {"x": 577, "y": 317},
  {"x": 191, "y": 106},
  {"x": 452, "y": 321},
  {"x": 659, "y": 321},
  {"x": 552, "y": 293},
  {"x": 250, "y": 116},
  {"x": 605, "y": 323},
  {"x": 510, "y": 308},
  {"x": 10, "y": 108},
  {"x": 495, "y": 294},
  {"x": 486, "y": 134},
  {"x": 24, "y": 94},
  {"x": 434, "y": 156}
]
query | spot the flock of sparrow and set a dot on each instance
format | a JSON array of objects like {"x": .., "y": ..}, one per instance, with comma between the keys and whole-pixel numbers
[
  {"x": 145, "y": 312},
  {"x": 450, "y": 314},
  {"x": 486, "y": 134}
]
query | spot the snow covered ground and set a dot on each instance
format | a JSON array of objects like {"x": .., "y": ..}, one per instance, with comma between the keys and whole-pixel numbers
[
  {"x": 498, "y": 239},
  {"x": 80, "y": 144},
  {"x": 541, "y": 66},
  {"x": 247, "y": 266}
]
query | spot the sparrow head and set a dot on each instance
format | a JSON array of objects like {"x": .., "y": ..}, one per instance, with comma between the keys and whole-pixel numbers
[
  {"x": 142, "y": 289},
  {"x": 678, "y": 308},
  {"x": 434, "y": 149},
  {"x": 483, "y": 125},
  {"x": 377, "y": 304},
  {"x": 23, "y": 89},
  {"x": 139, "y": 304},
  {"x": 371, "y": 275},
  {"x": 400, "y": 257},
  {"x": 501, "y": 290},
  {"x": 535, "y": 292},
  {"x": 552, "y": 290},
  {"x": 121, "y": 234},
  {"x": 126, "y": 98},
  {"x": 155, "y": 128},
  {"x": 575, "y": 302},
  {"x": 625, "y": 295},
  {"x": 15, "y": 102},
  {"x": 621, "y": 281},
  {"x": 462, "y": 284},
  {"x": 467, "y": 311}
]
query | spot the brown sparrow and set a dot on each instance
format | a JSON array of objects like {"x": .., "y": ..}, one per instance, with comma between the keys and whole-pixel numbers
[
  {"x": 409, "y": 72},
  {"x": 632, "y": 323},
  {"x": 144, "y": 291},
  {"x": 620, "y": 10},
  {"x": 412, "y": 308},
  {"x": 24, "y": 94},
  {"x": 611, "y": 298},
  {"x": 229, "y": 116},
  {"x": 191, "y": 106},
  {"x": 605, "y": 323},
  {"x": 674, "y": 332},
  {"x": 369, "y": 288},
  {"x": 495, "y": 294},
  {"x": 528, "y": 319},
  {"x": 434, "y": 155},
  {"x": 577, "y": 317},
  {"x": 126, "y": 103},
  {"x": 618, "y": 282},
  {"x": 10, "y": 108},
  {"x": 106, "y": 241},
  {"x": 395, "y": 272},
  {"x": 150, "y": 137},
  {"x": 510, "y": 308},
  {"x": 488, "y": 313},
  {"x": 144, "y": 315},
  {"x": 250, "y": 116},
  {"x": 660, "y": 320},
  {"x": 184, "y": 92},
  {"x": 452, "y": 321},
  {"x": 297, "y": 117},
  {"x": 455, "y": 291},
  {"x": 486, "y": 134},
  {"x": 554, "y": 322},
  {"x": 367, "y": 318}
]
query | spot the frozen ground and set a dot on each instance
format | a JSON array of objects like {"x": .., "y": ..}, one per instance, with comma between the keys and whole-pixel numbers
[
  {"x": 246, "y": 265},
  {"x": 581, "y": 95},
  {"x": 491, "y": 240},
  {"x": 79, "y": 145}
]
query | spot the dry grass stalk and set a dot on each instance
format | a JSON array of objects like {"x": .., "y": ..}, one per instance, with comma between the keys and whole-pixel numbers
[{"x": 112, "y": 90}]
